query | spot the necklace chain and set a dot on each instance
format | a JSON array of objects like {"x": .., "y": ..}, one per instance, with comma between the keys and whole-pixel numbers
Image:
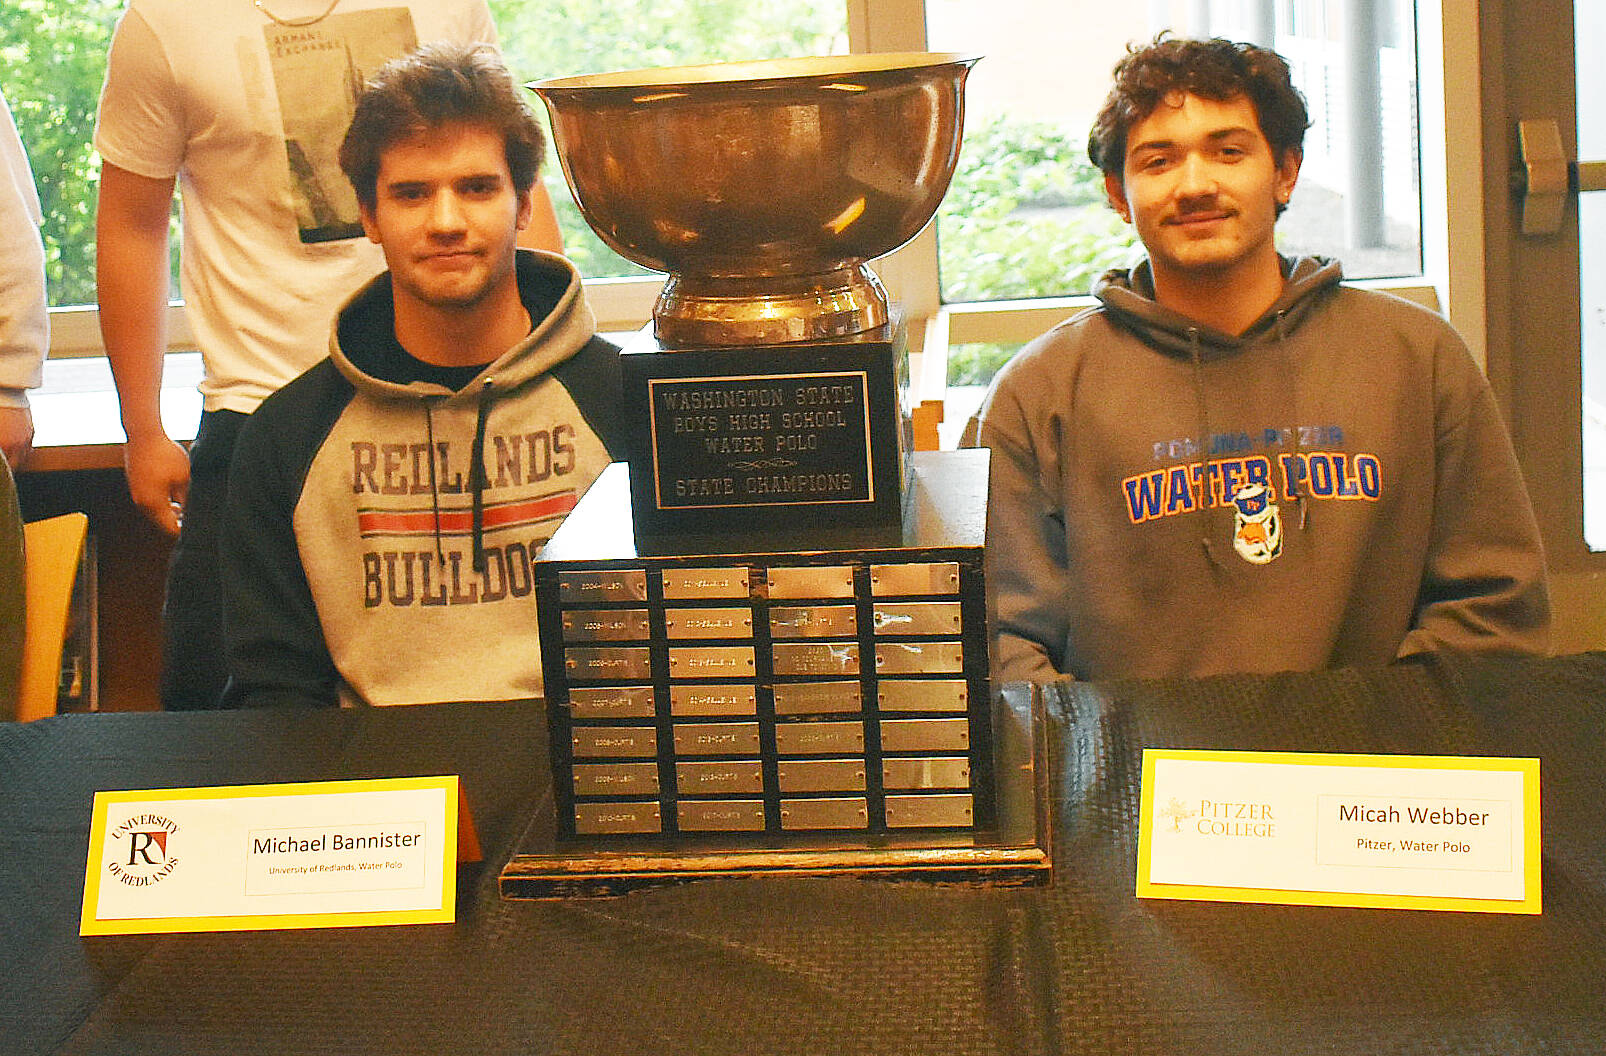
[{"x": 294, "y": 23}]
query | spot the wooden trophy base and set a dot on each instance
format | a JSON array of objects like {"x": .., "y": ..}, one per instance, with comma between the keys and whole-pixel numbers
[
  {"x": 1014, "y": 852},
  {"x": 797, "y": 701}
]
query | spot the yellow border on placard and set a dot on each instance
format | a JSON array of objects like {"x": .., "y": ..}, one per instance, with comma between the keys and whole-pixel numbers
[
  {"x": 1529, "y": 768},
  {"x": 90, "y": 925}
]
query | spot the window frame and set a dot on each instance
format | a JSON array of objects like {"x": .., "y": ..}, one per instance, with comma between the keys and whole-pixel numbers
[{"x": 1452, "y": 196}]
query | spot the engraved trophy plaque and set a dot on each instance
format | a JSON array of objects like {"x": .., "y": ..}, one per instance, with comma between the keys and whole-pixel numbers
[{"x": 764, "y": 637}]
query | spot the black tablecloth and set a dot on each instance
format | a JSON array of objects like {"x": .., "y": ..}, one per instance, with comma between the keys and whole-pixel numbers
[{"x": 831, "y": 966}]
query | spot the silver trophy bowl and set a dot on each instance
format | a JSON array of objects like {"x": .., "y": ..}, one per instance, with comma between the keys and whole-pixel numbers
[{"x": 761, "y": 188}]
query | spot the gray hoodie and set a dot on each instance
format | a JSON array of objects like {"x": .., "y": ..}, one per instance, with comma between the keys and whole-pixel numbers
[
  {"x": 379, "y": 536},
  {"x": 1334, "y": 487}
]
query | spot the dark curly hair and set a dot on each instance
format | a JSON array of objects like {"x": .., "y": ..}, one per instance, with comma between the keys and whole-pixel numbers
[
  {"x": 439, "y": 84},
  {"x": 1210, "y": 69}
]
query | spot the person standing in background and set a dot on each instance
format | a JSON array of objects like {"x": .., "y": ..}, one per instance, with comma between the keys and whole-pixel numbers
[
  {"x": 24, "y": 320},
  {"x": 271, "y": 241}
]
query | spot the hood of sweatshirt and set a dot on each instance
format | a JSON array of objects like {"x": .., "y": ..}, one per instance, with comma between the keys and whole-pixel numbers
[
  {"x": 561, "y": 321},
  {"x": 1128, "y": 297}
]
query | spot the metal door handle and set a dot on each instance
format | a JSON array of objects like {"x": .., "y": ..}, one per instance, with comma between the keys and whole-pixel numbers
[{"x": 1546, "y": 176}]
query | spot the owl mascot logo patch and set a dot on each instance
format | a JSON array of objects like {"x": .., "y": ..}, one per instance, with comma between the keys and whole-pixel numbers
[{"x": 1257, "y": 525}]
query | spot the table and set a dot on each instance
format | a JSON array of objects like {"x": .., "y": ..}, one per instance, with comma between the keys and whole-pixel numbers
[{"x": 832, "y": 966}]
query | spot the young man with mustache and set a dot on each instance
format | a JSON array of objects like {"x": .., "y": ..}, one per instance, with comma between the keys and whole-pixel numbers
[{"x": 1234, "y": 463}]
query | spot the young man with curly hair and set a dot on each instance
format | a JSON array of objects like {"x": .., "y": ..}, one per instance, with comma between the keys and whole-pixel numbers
[{"x": 1234, "y": 463}]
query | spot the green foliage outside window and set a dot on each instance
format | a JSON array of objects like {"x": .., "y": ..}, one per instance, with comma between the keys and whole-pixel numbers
[
  {"x": 1026, "y": 216},
  {"x": 1023, "y": 218},
  {"x": 53, "y": 54},
  {"x": 975, "y": 364}
]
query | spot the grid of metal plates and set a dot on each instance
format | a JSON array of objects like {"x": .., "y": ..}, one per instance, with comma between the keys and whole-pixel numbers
[{"x": 772, "y": 695}]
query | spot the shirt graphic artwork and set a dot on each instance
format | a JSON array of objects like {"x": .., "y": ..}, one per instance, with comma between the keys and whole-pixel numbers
[{"x": 318, "y": 71}]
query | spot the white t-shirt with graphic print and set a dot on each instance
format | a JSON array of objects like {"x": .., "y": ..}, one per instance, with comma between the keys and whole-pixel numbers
[{"x": 248, "y": 114}]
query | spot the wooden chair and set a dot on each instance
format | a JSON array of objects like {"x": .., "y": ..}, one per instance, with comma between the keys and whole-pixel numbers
[
  {"x": 38, "y": 566},
  {"x": 13, "y": 594},
  {"x": 52, "y": 549}
]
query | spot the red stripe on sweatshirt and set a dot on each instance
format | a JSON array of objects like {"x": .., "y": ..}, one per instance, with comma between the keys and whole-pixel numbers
[{"x": 461, "y": 521}]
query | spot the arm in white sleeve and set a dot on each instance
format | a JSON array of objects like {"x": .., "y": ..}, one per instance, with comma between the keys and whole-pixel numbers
[{"x": 24, "y": 319}]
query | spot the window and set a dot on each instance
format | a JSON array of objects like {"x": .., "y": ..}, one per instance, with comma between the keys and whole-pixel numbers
[
  {"x": 1591, "y": 32},
  {"x": 1026, "y": 217},
  {"x": 1024, "y": 229}
]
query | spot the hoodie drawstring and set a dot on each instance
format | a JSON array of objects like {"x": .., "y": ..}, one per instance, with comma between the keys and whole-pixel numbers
[
  {"x": 1204, "y": 446},
  {"x": 1296, "y": 490},
  {"x": 434, "y": 484},
  {"x": 477, "y": 476}
]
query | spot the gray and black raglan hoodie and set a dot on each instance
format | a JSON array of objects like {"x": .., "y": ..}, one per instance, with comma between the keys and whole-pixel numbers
[
  {"x": 365, "y": 559},
  {"x": 1334, "y": 487}
]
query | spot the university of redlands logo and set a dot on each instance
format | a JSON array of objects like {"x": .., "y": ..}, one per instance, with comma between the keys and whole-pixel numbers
[{"x": 141, "y": 850}]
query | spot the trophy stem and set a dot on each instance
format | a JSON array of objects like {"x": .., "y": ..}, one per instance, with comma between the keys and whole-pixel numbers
[{"x": 713, "y": 312}]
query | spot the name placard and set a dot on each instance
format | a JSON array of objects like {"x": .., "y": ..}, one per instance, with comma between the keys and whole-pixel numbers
[
  {"x": 317, "y": 855},
  {"x": 1380, "y": 831}
]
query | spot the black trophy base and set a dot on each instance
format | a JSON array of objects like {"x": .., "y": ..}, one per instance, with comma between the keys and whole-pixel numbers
[
  {"x": 792, "y": 700},
  {"x": 732, "y": 439},
  {"x": 1013, "y": 852}
]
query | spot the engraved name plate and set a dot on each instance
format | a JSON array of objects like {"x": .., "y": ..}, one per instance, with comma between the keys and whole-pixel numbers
[
  {"x": 695, "y": 779},
  {"x": 925, "y": 735},
  {"x": 916, "y": 617},
  {"x": 716, "y": 738},
  {"x": 940, "y": 577},
  {"x": 721, "y": 815},
  {"x": 919, "y": 658},
  {"x": 713, "y": 700},
  {"x": 814, "y": 621},
  {"x": 596, "y": 819},
  {"x": 611, "y": 702},
  {"x": 930, "y": 772},
  {"x": 818, "y": 698},
  {"x": 943, "y": 694},
  {"x": 615, "y": 779},
  {"x": 612, "y": 742},
  {"x": 817, "y": 581},
  {"x": 681, "y": 624},
  {"x": 797, "y": 659},
  {"x": 614, "y": 585},
  {"x": 694, "y": 584},
  {"x": 760, "y": 439},
  {"x": 820, "y": 775},
  {"x": 819, "y": 738},
  {"x": 916, "y": 812},
  {"x": 608, "y": 662},
  {"x": 605, "y": 625},
  {"x": 713, "y": 661},
  {"x": 848, "y": 813}
]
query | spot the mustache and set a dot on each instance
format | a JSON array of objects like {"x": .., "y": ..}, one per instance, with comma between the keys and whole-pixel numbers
[{"x": 1202, "y": 208}]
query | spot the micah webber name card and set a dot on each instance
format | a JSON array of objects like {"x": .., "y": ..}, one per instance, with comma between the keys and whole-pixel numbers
[{"x": 1407, "y": 832}]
